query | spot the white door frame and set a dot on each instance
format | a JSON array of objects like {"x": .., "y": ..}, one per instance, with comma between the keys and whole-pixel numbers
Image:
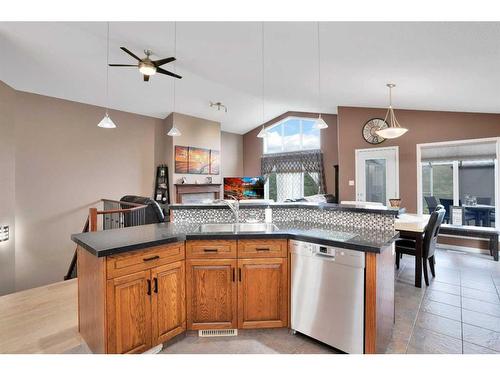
[
  {"x": 374, "y": 149},
  {"x": 420, "y": 208}
]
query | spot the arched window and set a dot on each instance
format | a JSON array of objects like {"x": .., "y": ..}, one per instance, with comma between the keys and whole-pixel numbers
[{"x": 292, "y": 134}]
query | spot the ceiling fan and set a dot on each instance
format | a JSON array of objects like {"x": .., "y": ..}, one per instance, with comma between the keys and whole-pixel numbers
[{"x": 149, "y": 67}]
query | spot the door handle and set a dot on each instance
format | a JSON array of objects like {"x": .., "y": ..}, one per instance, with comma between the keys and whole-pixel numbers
[
  {"x": 150, "y": 258},
  {"x": 210, "y": 250},
  {"x": 149, "y": 287},
  {"x": 156, "y": 285},
  {"x": 239, "y": 274},
  {"x": 234, "y": 275},
  {"x": 262, "y": 249}
]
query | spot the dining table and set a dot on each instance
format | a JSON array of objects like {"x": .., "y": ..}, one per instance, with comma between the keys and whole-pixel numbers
[
  {"x": 412, "y": 226},
  {"x": 482, "y": 212}
]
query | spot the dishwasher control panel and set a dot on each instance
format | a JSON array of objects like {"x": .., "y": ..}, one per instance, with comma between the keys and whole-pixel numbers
[{"x": 338, "y": 255}]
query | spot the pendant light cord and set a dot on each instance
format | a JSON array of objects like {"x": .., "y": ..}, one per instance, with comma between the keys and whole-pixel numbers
[
  {"x": 175, "y": 63},
  {"x": 107, "y": 69},
  {"x": 262, "y": 55},
  {"x": 319, "y": 70}
]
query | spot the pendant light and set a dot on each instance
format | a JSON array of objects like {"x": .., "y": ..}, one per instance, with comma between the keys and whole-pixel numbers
[
  {"x": 106, "y": 122},
  {"x": 263, "y": 131},
  {"x": 394, "y": 130},
  {"x": 174, "y": 132},
  {"x": 319, "y": 123}
]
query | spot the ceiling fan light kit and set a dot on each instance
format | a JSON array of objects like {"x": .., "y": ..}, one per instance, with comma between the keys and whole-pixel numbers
[{"x": 394, "y": 130}]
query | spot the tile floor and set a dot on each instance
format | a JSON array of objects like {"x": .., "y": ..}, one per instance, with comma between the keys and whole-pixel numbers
[{"x": 458, "y": 313}]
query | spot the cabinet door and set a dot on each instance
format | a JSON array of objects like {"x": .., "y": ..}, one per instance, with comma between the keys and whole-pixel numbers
[
  {"x": 211, "y": 293},
  {"x": 128, "y": 309},
  {"x": 168, "y": 306},
  {"x": 263, "y": 293}
]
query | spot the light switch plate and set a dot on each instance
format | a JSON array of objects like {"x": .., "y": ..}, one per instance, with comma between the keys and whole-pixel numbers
[{"x": 351, "y": 182}]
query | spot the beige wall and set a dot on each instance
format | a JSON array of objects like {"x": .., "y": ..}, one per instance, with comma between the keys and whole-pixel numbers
[
  {"x": 196, "y": 132},
  {"x": 253, "y": 147},
  {"x": 424, "y": 127},
  {"x": 232, "y": 150},
  {"x": 64, "y": 164},
  {"x": 7, "y": 187}
]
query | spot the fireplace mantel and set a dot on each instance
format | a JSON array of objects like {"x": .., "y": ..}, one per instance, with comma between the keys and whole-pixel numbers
[{"x": 181, "y": 189}]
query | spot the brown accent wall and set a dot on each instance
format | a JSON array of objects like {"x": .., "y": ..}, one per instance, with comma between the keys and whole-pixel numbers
[
  {"x": 253, "y": 146},
  {"x": 424, "y": 127}
]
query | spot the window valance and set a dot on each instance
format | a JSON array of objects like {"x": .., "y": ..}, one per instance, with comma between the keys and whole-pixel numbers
[{"x": 310, "y": 161}]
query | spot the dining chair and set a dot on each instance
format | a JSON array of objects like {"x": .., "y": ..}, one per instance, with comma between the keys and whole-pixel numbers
[
  {"x": 406, "y": 246},
  {"x": 432, "y": 202},
  {"x": 446, "y": 203}
]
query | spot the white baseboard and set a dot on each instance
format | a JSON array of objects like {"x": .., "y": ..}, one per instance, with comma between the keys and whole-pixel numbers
[
  {"x": 465, "y": 249},
  {"x": 154, "y": 350}
]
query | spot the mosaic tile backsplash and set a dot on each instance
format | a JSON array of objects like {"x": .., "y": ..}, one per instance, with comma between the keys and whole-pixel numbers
[{"x": 313, "y": 215}]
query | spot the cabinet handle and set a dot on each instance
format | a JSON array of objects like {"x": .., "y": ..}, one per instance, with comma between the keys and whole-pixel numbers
[
  {"x": 150, "y": 258},
  {"x": 234, "y": 275},
  {"x": 149, "y": 287},
  {"x": 239, "y": 274},
  {"x": 262, "y": 249},
  {"x": 210, "y": 250},
  {"x": 156, "y": 285}
]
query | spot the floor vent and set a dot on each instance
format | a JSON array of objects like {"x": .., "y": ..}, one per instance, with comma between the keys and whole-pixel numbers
[{"x": 217, "y": 332}]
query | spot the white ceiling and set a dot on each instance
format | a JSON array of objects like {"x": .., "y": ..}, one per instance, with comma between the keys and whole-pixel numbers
[{"x": 436, "y": 66}]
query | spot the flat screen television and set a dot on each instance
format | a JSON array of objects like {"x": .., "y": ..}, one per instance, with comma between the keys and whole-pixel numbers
[{"x": 244, "y": 187}]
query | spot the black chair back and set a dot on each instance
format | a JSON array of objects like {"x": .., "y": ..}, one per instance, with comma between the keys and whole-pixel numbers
[
  {"x": 446, "y": 204},
  {"x": 431, "y": 233},
  {"x": 483, "y": 200},
  {"x": 431, "y": 203}
]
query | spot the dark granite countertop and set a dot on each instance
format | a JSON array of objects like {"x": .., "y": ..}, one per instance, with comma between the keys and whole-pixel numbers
[
  {"x": 116, "y": 241},
  {"x": 321, "y": 206}
]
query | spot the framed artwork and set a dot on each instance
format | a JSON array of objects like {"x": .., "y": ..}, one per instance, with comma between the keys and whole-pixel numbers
[
  {"x": 181, "y": 159},
  {"x": 214, "y": 162},
  {"x": 199, "y": 160}
]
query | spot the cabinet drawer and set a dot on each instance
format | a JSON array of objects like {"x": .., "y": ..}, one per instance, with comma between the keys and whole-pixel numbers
[
  {"x": 264, "y": 248},
  {"x": 211, "y": 249},
  {"x": 126, "y": 263}
]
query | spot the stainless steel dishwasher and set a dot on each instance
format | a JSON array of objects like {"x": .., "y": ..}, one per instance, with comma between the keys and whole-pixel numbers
[{"x": 328, "y": 295}]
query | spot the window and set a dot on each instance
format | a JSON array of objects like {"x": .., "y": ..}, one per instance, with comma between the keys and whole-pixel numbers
[
  {"x": 460, "y": 173},
  {"x": 292, "y": 134},
  {"x": 289, "y": 135}
]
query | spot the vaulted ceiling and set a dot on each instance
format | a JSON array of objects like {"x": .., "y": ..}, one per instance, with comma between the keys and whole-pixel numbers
[{"x": 436, "y": 66}]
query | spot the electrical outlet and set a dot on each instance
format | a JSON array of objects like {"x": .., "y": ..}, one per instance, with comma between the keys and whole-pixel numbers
[{"x": 351, "y": 182}]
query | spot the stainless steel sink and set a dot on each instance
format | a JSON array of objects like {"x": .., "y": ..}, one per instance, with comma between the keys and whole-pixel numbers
[{"x": 243, "y": 227}]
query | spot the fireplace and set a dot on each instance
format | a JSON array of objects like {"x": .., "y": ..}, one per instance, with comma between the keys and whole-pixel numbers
[{"x": 196, "y": 193}]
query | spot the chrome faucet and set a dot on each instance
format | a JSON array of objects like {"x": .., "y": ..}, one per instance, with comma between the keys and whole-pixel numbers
[{"x": 234, "y": 205}]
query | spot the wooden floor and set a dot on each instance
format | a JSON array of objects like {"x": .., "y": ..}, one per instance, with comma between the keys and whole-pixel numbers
[{"x": 40, "y": 320}]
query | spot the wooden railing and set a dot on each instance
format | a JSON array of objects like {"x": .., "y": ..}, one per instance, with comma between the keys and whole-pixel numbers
[{"x": 115, "y": 214}]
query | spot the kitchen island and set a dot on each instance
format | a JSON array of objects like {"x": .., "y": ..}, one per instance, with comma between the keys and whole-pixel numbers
[{"x": 141, "y": 286}]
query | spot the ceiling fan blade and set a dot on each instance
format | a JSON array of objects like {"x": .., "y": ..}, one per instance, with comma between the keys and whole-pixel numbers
[
  {"x": 163, "y": 71},
  {"x": 161, "y": 62},
  {"x": 130, "y": 53},
  {"x": 135, "y": 66},
  {"x": 146, "y": 78}
]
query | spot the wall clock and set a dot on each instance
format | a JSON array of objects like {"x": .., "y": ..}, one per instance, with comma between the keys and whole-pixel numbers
[{"x": 371, "y": 127}]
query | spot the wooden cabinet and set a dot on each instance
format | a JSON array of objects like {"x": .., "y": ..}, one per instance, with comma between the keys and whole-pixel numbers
[
  {"x": 168, "y": 302},
  {"x": 250, "y": 292},
  {"x": 128, "y": 308},
  {"x": 211, "y": 293},
  {"x": 131, "y": 302},
  {"x": 262, "y": 248},
  {"x": 224, "y": 249},
  {"x": 263, "y": 293}
]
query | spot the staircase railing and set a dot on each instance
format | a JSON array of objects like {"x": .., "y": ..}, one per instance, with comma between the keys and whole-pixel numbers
[{"x": 114, "y": 215}]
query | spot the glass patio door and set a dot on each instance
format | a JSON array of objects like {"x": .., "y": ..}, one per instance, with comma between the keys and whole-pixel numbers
[{"x": 377, "y": 174}]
